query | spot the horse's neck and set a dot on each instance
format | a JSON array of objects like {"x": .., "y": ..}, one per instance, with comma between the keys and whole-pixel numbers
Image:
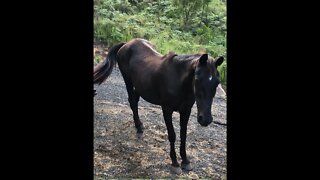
[
  {"x": 185, "y": 63},
  {"x": 188, "y": 78},
  {"x": 185, "y": 66}
]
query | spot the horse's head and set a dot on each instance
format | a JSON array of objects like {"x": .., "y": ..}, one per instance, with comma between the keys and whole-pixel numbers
[{"x": 206, "y": 80}]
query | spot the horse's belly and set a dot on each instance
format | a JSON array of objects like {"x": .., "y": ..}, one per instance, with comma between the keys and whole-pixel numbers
[
  {"x": 146, "y": 87},
  {"x": 151, "y": 98}
]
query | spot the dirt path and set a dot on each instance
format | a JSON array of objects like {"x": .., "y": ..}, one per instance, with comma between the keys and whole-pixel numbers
[{"x": 119, "y": 154}]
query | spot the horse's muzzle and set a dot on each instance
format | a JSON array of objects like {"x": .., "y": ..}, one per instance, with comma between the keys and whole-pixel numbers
[{"x": 204, "y": 121}]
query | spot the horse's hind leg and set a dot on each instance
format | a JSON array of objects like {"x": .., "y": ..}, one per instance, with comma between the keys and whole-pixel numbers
[{"x": 133, "y": 100}]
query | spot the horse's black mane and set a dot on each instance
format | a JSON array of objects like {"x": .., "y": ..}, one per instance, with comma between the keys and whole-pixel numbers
[
  {"x": 169, "y": 56},
  {"x": 186, "y": 57}
]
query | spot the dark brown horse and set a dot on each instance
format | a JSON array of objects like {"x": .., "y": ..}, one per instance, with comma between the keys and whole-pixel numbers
[{"x": 172, "y": 81}]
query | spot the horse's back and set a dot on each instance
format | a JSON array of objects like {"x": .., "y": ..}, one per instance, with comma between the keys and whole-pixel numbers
[
  {"x": 138, "y": 51},
  {"x": 138, "y": 56}
]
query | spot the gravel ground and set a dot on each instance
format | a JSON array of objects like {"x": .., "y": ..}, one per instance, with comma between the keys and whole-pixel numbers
[{"x": 119, "y": 154}]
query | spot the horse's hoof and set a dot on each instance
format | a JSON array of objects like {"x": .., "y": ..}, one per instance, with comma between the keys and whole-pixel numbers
[
  {"x": 139, "y": 135},
  {"x": 186, "y": 167},
  {"x": 175, "y": 170}
]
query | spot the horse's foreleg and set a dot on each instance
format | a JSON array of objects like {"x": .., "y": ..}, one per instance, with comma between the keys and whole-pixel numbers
[
  {"x": 167, "y": 114},
  {"x": 184, "y": 118}
]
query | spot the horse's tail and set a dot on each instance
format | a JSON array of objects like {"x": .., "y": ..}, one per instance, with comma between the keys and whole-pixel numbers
[{"x": 102, "y": 71}]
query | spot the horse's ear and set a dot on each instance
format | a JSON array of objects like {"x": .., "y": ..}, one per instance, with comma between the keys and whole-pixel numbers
[
  {"x": 203, "y": 59},
  {"x": 219, "y": 61}
]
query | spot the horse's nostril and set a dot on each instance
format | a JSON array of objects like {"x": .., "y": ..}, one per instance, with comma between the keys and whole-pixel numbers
[{"x": 200, "y": 118}]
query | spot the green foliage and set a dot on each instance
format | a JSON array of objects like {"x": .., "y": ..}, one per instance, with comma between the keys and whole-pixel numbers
[
  {"x": 98, "y": 59},
  {"x": 188, "y": 9},
  {"x": 182, "y": 26}
]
